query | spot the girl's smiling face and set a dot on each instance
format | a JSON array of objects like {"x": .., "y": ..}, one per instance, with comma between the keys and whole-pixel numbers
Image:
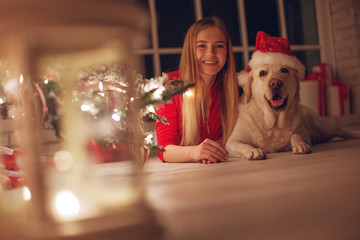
[{"x": 211, "y": 51}]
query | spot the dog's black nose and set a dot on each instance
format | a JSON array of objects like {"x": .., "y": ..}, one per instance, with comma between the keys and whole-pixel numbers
[{"x": 275, "y": 83}]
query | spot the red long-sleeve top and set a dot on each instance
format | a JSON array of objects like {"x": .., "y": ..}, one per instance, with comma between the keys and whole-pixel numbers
[{"x": 171, "y": 134}]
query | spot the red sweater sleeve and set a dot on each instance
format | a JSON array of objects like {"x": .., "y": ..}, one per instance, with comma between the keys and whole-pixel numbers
[{"x": 169, "y": 134}]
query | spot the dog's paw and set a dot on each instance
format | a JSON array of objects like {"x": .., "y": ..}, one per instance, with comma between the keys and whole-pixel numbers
[
  {"x": 255, "y": 154},
  {"x": 301, "y": 148}
]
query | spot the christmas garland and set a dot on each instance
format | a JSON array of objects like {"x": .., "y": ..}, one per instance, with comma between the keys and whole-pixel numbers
[{"x": 97, "y": 86}]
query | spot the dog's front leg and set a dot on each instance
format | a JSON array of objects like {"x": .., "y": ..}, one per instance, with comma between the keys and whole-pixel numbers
[
  {"x": 298, "y": 145},
  {"x": 246, "y": 151}
]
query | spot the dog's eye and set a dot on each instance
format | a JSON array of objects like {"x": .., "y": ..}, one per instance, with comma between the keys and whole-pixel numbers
[
  {"x": 285, "y": 70},
  {"x": 262, "y": 73}
]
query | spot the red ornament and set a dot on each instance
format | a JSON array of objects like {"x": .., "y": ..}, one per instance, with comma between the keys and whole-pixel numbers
[{"x": 13, "y": 177}]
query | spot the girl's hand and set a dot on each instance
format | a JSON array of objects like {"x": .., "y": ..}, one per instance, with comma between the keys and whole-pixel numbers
[{"x": 209, "y": 151}]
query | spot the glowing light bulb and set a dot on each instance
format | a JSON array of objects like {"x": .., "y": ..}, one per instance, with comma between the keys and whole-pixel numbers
[
  {"x": 116, "y": 117},
  {"x": 26, "y": 194},
  {"x": 151, "y": 109},
  {"x": 158, "y": 92},
  {"x": 63, "y": 160},
  {"x": 85, "y": 107},
  {"x": 66, "y": 204},
  {"x": 148, "y": 138},
  {"x": 101, "y": 87},
  {"x": 188, "y": 93}
]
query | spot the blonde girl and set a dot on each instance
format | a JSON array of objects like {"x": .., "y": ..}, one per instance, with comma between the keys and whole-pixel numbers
[{"x": 201, "y": 120}]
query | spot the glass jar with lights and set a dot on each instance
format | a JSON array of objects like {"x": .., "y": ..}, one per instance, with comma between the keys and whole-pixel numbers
[{"x": 71, "y": 77}]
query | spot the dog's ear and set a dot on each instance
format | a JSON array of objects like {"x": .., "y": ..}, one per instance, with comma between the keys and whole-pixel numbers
[
  {"x": 247, "y": 87},
  {"x": 299, "y": 75}
]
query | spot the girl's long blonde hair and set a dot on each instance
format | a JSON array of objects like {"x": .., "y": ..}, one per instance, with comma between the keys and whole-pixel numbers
[{"x": 193, "y": 105}]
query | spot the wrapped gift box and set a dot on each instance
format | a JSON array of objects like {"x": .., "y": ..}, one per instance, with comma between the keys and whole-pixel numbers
[
  {"x": 312, "y": 95},
  {"x": 337, "y": 99},
  {"x": 312, "y": 89},
  {"x": 324, "y": 95}
]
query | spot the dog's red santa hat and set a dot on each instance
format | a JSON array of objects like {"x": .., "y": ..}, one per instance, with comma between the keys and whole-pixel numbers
[{"x": 271, "y": 50}]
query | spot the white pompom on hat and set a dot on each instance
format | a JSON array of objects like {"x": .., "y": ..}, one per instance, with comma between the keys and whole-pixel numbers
[
  {"x": 272, "y": 50},
  {"x": 242, "y": 78}
]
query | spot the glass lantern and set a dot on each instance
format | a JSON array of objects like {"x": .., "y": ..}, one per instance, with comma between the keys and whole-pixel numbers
[{"x": 77, "y": 119}]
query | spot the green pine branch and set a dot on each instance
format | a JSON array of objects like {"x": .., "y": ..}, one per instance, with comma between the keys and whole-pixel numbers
[{"x": 157, "y": 118}]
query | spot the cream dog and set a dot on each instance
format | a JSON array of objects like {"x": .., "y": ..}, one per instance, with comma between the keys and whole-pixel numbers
[{"x": 271, "y": 117}]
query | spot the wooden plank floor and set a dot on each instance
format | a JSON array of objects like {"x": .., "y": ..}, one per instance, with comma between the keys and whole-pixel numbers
[{"x": 287, "y": 196}]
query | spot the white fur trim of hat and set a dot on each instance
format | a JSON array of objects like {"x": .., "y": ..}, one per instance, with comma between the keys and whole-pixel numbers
[
  {"x": 259, "y": 59},
  {"x": 242, "y": 78}
]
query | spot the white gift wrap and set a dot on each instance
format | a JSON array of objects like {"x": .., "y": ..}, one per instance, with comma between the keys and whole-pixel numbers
[
  {"x": 325, "y": 72},
  {"x": 312, "y": 95},
  {"x": 335, "y": 106}
]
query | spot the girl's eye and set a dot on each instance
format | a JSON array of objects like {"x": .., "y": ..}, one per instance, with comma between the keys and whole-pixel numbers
[
  {"x": 201, "y": 46},
  {"x": 285, "y": 70},
  {"x": 262, "y": 73},
  {"x": 220, "y": 46}
]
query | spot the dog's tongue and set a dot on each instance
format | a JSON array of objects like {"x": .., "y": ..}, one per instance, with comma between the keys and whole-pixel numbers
[{"x": 277, "y": 102}]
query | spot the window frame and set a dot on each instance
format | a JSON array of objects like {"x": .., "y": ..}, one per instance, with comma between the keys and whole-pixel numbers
[{"x": 324, "y": 29}]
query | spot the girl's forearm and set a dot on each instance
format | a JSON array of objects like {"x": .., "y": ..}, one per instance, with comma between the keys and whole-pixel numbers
[{"x": 178, "y": 154}]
